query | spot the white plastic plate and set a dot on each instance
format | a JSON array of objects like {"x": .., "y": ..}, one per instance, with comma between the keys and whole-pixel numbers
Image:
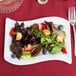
[{"x": 41, "y": 58}]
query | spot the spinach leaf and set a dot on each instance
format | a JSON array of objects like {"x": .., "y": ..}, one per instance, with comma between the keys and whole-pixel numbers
[{"x": 36, "y": 31}]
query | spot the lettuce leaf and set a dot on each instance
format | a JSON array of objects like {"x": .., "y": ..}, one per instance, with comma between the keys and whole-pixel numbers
[{"x": 55, "y": 50}]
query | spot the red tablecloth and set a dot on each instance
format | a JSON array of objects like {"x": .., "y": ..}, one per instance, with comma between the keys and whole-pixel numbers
[{"x": 30, "y": 9}]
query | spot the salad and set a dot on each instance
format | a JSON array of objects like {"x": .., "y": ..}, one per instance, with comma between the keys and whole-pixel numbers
[{"x": 41, "y": 38}]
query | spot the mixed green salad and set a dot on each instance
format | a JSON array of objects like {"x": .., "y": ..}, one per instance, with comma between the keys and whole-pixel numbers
[{"x": 41, "y": 38}]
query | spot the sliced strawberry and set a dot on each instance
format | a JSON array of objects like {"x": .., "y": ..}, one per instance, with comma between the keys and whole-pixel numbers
[
  {"x": 29, "y": 48},
  {"x": 12, "y": 32},
  {"x": 40, "y": 26},
  {"x": 64, "y": 50},
  {"x": 44, "y": 26}
]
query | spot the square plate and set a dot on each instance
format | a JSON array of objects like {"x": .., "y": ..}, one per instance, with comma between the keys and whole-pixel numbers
[{"x": 62, "y": 57}]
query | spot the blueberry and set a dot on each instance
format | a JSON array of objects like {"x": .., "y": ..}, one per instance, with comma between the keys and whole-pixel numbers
[
  {"x": 60, "y": 27},
  {"x": 23, "y": 31},
  {"x": 13, "y": 55},
  {"x": 44, "y": 51}
]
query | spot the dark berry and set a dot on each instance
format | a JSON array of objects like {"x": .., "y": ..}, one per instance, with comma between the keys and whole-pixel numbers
[
  {"x": 60, "y": 27},
  {"x": 44, "y": 52},
  {"x": 13, "y": 55},
  {"x": 45, "y": 48}
]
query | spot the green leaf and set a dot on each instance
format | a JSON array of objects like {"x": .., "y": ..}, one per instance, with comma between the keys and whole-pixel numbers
[
  {"x": 35, "y": 31},
  {"x": 10, "y": 47},
  {"x": 60, "y": 44},
  {"x": 62, "y": 33},
  {"x": 48, "y": 27},
  {"x": 48, "y": 40},
  {"x": 35, "y": 45},
  {"x": 56, "y": 25},
  {"x": 26, "y": 53},
  {"x": 52, "y": 45},
  {"x": 56, "y": 50},
  {"x": 43, "y": 41}
]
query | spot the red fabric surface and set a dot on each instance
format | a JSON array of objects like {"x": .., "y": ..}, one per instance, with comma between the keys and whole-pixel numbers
[{"x": 30, "y": 9}]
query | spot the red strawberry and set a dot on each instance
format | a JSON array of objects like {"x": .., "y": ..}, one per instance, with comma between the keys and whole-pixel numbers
[
  {"x": 29, "y": 48},
  {"x": 40, "y": 26},
  {"x": 44, "y": 26},
  {"x": 12, "y": 32},
  {"x": 64, "y": 50}
]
